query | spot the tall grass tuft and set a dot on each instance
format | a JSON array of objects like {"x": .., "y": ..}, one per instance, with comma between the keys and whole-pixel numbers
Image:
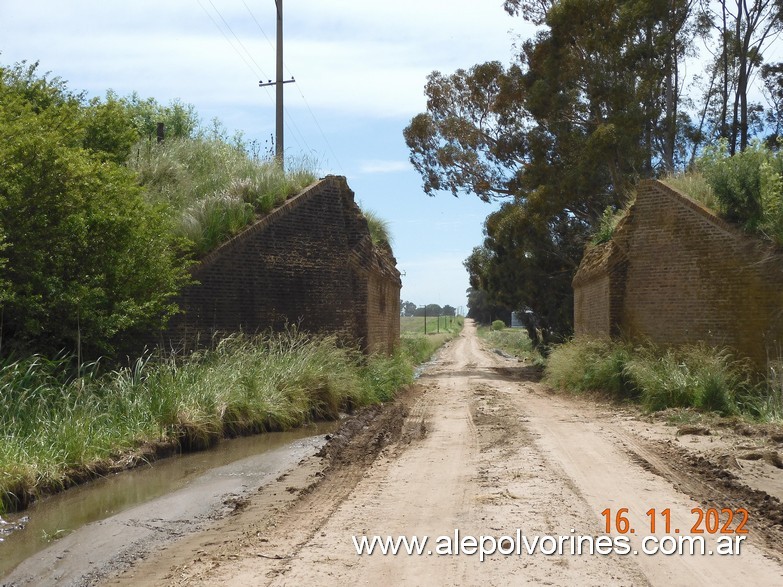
[
  {"x": 212, "y": 220},
  {"x": 694, "y": 185},
  {"x": 380, "y": 231},
  {"x": 384, "y": 375},
  {"x": 692, "y": 376},
  {"x": 591, "y": 365},
  {"x": 213, "y": 188},
  {"x": 60, "y": 427}
]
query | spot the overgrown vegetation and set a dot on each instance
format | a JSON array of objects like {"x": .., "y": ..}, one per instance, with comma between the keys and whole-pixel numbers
[
  {"x": 608, "y": 222},
  {"x": 380, "y": 231},
  {"x": 212, "y": 188},
  {"x": 693, "y": 376},
  {"x": 592, "y": 101},
  {"x": 86, "y": 258},
  {"x": 60, "y": 427},
  {"x": 98, "y": 226},
  {"x": 746, "y": 188},
  {"x": 694, "y": 185},
  {"x": 514, "y": 341},
  {"x": 99, "y": 222}
]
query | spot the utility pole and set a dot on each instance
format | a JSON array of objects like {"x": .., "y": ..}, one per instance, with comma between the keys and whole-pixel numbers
[{"x": 278, "y": 83}]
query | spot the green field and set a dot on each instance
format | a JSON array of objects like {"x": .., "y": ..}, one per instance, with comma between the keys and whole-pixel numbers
[{"x": 435, "y": 324}]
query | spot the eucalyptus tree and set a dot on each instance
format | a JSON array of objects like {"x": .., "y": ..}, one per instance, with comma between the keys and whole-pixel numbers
[
  {"x": 590, "y": 104},
  {"x": 742, "y": 32}
]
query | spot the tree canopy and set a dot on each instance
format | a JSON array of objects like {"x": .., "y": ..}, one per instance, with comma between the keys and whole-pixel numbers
[{"x": 592, "y": 103}]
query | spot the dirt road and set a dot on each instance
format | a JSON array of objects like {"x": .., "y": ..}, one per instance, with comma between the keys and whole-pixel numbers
[{"x": 480, "y": 447}]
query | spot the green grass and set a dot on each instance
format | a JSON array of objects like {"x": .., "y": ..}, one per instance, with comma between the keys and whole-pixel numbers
[
  {"x": 380, "y": 231},
  {"x": 434, "y": 324},
  {"x": 692, "y": 376},
  {"x": 59, "y": 429},
  {"x": 694, "y": 185},
  {"x": 419, "y": 347},
  {"x": 514, "y": 341},
  {"x": 214, "y": 189}
]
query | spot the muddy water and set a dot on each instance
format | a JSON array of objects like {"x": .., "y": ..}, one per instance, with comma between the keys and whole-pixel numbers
[{"x": 52, "y": 519}]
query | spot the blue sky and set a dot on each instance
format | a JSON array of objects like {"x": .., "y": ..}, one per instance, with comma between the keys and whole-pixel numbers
[{"x": 360, "y": 69}]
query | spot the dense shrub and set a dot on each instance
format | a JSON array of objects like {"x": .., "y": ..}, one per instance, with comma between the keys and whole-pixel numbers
[
  {"x": 692, "y": 376},
  {"x": 86, "y": 259},
  {"x": 748, "y": 187},
  {"x": 498, "y": 325}
]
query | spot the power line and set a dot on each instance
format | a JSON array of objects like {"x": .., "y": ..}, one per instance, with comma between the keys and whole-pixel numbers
[
  {"x": 260, "y": 69},
  {"x": 257, "y": 71},
  {"x": 328, "y": 144},
  {"x": 225, "y": 36},
  {"x": 253, "y": 16},
  {"x": 301, "y": 93}
]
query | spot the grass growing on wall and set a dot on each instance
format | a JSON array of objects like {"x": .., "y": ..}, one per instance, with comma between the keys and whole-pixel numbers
[
  {"x": 745, "y": 189},
  {"x": 693, "y": 376},
  {"x": 214, "y": 188},
  {"x": 380, "y": 230},
  {"x": 694, "y": 185},
  {"x": 59, "y": 429}
]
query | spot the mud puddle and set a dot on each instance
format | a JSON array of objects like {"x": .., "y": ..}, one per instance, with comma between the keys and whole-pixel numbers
[{"x": 203, "y": 483}]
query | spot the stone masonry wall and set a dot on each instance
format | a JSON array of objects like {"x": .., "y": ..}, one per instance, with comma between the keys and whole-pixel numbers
[
  {"x": 678, "y": 274},
  {"x": 310, "y": 262}
]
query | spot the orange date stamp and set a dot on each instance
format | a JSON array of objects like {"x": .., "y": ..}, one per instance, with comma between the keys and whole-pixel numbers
[{"x": 703, "y": 521}]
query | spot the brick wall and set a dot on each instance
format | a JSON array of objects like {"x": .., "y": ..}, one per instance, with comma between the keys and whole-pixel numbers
[
  {"x": 309, "y": 262},
  {"x": 674, "y": 273}
]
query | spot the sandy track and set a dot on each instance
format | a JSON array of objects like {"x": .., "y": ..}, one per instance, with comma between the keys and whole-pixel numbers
[{"x": 481, "y": 447}]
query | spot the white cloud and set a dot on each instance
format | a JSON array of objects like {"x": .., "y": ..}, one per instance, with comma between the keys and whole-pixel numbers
[
  {"x": 379, "y": 166},
  {"x": 361, "y": 66},
  {"x": 363, "y": 58}
]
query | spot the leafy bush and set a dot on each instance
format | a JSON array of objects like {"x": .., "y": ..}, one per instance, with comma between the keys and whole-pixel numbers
[
  {"x": 212, "y": 188},
  {"x": 498, "y": 325},
  {"x": 736, "y": 182},
  {"x": 748, "y": 187},
  {"x": 87, "y": 258},
  {"x": 179, "y": 119}
]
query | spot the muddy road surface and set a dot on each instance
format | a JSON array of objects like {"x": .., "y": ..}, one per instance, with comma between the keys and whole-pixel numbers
[{"x": 510, "y": 484}]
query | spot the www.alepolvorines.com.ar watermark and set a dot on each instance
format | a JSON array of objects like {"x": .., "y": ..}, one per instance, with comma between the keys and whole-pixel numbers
[{"x": 520, "y": 544}]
